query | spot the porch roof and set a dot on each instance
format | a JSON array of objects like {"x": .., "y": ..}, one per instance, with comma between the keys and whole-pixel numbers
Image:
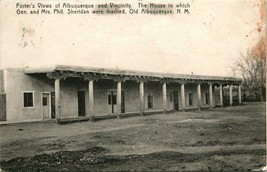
[{"x": 128, "y": 73}]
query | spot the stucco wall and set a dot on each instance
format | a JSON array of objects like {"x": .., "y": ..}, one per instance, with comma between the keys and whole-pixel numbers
[
  {"x": 170, "y": 88},
  {"x": 2, "y": 107},
  {"x": 16, "y": 82},
  {"x": 132, "y": 96},
  {"x": 1, "y": 81},
  {"x": 2, "y": 97},
  {"x": 191, "y": 88},
  {"x": 101, "y": 88},
  {"x": 155, "y": 89},
  {"x": 69, "y": 98}
]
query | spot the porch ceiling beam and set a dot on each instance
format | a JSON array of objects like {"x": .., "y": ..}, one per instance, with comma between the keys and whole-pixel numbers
[
  {"x": 146, "y": 78},
  {"x": 63, "y": 74},
  {"x": 56, "y": 75},
  {"x": 164, "y": 81},
  {"x": 119, "y": 79},
  {"x": 139, "y": 80},
  {"x": 89, "y": 77}
]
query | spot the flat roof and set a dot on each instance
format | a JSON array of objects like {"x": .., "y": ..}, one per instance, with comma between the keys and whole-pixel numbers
[{"x": 123, "y": 72}]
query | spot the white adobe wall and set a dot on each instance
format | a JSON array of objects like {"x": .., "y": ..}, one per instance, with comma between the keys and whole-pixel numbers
[
  {"x": 170, "y": 88},
  {"x": 155, "y": 89},
  {"x": 132, "y": 96},
  {"x": 193, "y": 89},
  {"x": 1, "y": 81},
  {"x": 16, "y": 82}
]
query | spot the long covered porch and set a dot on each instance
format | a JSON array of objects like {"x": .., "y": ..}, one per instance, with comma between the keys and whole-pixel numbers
[{"x": 89, "y": 93}]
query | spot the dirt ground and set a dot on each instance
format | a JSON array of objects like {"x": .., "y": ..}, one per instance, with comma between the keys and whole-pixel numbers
[{"x": 222, "y": 139}]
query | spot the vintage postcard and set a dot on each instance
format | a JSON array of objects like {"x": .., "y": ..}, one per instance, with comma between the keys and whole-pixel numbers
[{"x": 133, "y": 85}]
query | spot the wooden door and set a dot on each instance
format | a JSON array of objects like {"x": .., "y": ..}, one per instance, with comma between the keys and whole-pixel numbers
[
  {"x": 175, "y": 100},
  {"x": 46, "y": 105},
  {"x": 81, "y": 103}
]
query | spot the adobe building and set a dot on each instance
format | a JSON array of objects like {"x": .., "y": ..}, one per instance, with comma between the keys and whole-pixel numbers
[{"x": 73, "y": 92}]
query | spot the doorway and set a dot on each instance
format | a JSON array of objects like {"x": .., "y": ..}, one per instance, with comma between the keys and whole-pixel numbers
[
  {"x": 150, "y": 101},
  {"x": 122, "y": 103},
  {"x": 81, "y": 103},
  {"x": 46, "y": 105},
  {"x": 112, "y": 102},
  {"x": 175, "y": 100},
  {"x": 53, "y": 105}
]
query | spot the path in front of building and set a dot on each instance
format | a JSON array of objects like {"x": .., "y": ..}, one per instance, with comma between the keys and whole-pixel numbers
[{"x": 231, "y": 138}]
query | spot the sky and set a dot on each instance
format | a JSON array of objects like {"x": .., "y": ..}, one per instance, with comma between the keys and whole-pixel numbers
[{"x": 205, "y": 42}]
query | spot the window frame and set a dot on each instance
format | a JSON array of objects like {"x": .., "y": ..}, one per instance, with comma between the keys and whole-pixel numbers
[
  {"x": 151, "y": 101},
  {"x": 189, "y": 99},
  {"x": 46, "y": 102},
  {"x": 114, "y": 99},
  {"x": 33, "y": 100},
  {"x": 109, "y": 99},
  {"x": 110, "y": 95}
]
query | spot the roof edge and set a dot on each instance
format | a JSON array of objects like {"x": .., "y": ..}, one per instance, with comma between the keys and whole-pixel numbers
[{"x": 126, "y": 72}]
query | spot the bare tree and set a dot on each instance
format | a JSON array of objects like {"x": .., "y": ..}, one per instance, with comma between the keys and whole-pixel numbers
[
  {"x": 252, "y": 65},
  {"x": 252, "y": 68}
]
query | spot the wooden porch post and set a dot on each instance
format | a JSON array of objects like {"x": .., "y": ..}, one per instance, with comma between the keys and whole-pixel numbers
[
  {"x": 91, "y": 99},
  {"x": 57, "y": 76},
  {"x": 221, "y": 95},
  {"x": 57, "y": 101},
  {"x": 119, "y": 98},
  {"x": 90, "y": 79},
  {"x": 183, "y": 95},
  {"x": 231, "y": 95},
  {"x": 239, "y": 95},
  {"x": 141, "y": 91},
  {"x": 164, "y": 94},
  {"x": 199, "y": 96},
  {"x": 211, "y": 96}
]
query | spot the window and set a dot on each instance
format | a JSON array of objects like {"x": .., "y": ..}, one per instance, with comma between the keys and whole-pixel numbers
[
  {"x": 109, "y": 99},
  {"x": 44, "y": 101},
  {"x": 190, "y": 99},
  {"x": 149, "y": 101},
  {"x": 207, "y": 100},
  {"x": 28, "y": 99},
  {"x": 112, "y": 99}
]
